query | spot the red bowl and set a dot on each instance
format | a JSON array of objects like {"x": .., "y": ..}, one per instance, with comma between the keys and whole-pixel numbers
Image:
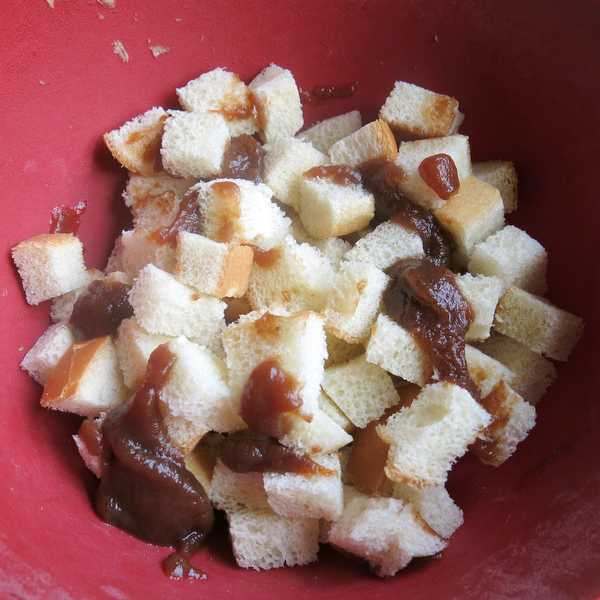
[{"x": 526, "y": 74}]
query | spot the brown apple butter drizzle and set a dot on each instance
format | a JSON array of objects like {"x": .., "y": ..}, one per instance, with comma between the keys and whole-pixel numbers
[{"x": 243, "y": 159}]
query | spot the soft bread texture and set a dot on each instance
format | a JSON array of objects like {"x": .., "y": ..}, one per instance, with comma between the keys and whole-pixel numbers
[
  {"x": 502, "y": 174},
  {"x": 362, "y": 390},
  {"x": 139, "y": 247},
  {"x": 513, "y": 256},
  {"x": 231, "y": 491},
  {"x": 211, "y": 267},
  {"x": 136, "y": 144},
  {"x": 340, "y": 351},
  {"x": 324, "y": 134},
  {"x": 193, "y": 143},
  {"x": 61, "y": 307},
  {"x": 201, "y": 464},
  {"x": 373, "y": 140},
  {"x": 50, "y": 265},
  {"x": 429, "y": 436},
  {"x": 411, "y": 154},
  {"x": 334, "y": 412},
  {"x": 537, "y": 324},
  {"x": 415, "y": 112},
  {"x": 485, "y": 371},
  {"x": 277, "y": 102},
  {"x": 333, "y": 249},
  {"x": 483, "y": 294}
]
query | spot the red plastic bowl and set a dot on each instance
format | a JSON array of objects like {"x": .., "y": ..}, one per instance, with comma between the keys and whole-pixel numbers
[{"x": 526, "y": 73}]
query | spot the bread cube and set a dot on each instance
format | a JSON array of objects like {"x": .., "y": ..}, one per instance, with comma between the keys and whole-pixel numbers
[
  {"x": 429, "y": 436},
  {"x": 386, "y": 244},
  {"x": 87, "y": 445},
  {"x": 221, "y": 91},
  {"x": 333, "y": 411},
  {"x": 471, "y": 215},
  {"x": 482, "y": 293},
  {"x": 136, "y": 144},
  {"x": 354, "y": 304},
  {"x": 503, "y": 176},
  {"x": 263, "y": 540},
  {"x": 241, "y": 212},
  {"x": 86, "y": 381},
  {"x": 285, "y": 161},
  {"x": 231, "y": 491},
  {"x": 201, "y": 464},
  {"x": 537, "y": 324},
  {"x": 114, "y": 262},
  {"x": 193, "y": 144},
  {"x": 339, "y": 351},
  {"x": 333, "y": 249},
  {"x": 362, "y": 390},
  {"x": 485, "y": 371},
  {"x": 61, "y": 307},
  {"x": 50, "y": 265},
  {"x": 373, "y": 140},
  {"x": 415, "y": 112},
  {"x": 324, "y": 134},
  {"x": 411, "y": 155},
  {"x": 277, "y": 102},
  {"x": 46, "y": 353},
  {"x": 139, "y": 248},
  {"x": 513, "y": 256}
]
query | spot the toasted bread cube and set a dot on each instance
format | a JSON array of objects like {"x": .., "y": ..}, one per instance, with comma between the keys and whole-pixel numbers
[
  {"x": 431, "y": 434},
  {"x": 163, "y": 305},
  {"x": 211, "y": 267},
  {"x": 193, "y": 144},
  {"x": 277, "y": 102},
  {"x": 373, "y": 140},
  {"x": 221, "y": 91},
  {"x": 354, "y": 305},
  {"x": 50, "y": 265},
  {"x": 532, "y": 373},
  {"x": 362, "y": 390},
  {"x": 412, "y": 154},
  {"x": 86, "y": 381},
  {"x": 396, "y": 350},
  {"x": 139, "y": 248},
  {"x": 485, "y": 371},
  {"x": 471, "y": 215},
  {"x": 46, "y": 353},
  {"x": 297, "y": 342},
  {"x": 386, "y": 244},
  {"x": 387, "y": 532},
  {"x": 61, "y": 307},
  {"x": 231, "y": 491},
  {"x": 136, "y": 144},
  {"x": 537, "y": 324},
  {"x": 263, "y": 540},
  {"x": 415, "y": 112},
  {"x": 324, "y": 134},
  {"x": 340, "y": 351},
  {"x": 513, "y": 256},
  {"x": 482, "y": 293},
  {"x": 291, "y": 277},
  {"x": 502, "y": 175},
  {"x": 334, "y": 412}
]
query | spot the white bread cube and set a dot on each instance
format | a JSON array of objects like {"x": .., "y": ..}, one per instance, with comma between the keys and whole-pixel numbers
[
  {"x": 263, "y": 540},
  {"x": 136, "y": 144},
  {"x": 513, "y": 256},
  {"x": 114, "y": 262},
  {"x": 193, "y": 144},
  {"x": 415, "y": 112},
  {"x": 471, "y": 215},
  {"x": 46, "y": 353},
  {"x": 333, "y": 411},
  {"x": 221, "y": 91},
  {"x": 211, "y": 267},
  {"x": 387, "y": 532},
  {"x": 362, "y": 390},
  {"x": 240, "y": 211},
  {"x": 86, "y": 381},
  {"x": 354, "y": 304},
  {"x": 411, "y": 155},
  {"x": 485, "y": 371},
  {"x": 482, "y": 293},
  {"x": 231, "y": 491},
  {"x": 396, "y": 350},
  {"x": 284, "y": 163},
  {"x": 339, "y": 351},
  {"x": 314, "y": 496},
  {"x": 502, "y": 175},
  {"x": 429, "y": 436},
  {"x": 61, "y": 307},
  {"x": 532, "y": 373},
  {"x": 88, "y": 452},
  {"x": 291, "y": 277},
  {"x": 386, "y": 244},
  {"x": 277, "y": 102},
  {"x": 139, "y": 248},
  {"x": 297, "y": 342},
  {"x": 50, "y": 265},
  {"x": 324, "y": 134},
  {"x": 333, "y": 249},
  {"x": 373, "y": 140},
  {"x": 537, "y": 324},
  {"x": 163, "y": 305},
  {"x": 201, "y": 464}
]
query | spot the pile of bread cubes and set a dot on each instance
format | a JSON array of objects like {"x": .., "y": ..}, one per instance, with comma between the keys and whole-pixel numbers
[{"x": 271, "y": 276}]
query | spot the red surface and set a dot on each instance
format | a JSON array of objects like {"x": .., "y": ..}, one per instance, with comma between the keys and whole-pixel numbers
[{"x": 527, "y": 77}]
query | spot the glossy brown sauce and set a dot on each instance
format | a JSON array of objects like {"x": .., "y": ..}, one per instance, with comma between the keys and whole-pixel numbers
[
  {"x": 440, "y": 174},
  {"x": 100, "y": 309},
  {"x": 265, "y": 259},
  {"x": 339, "y": 174},
  {"x": 187, "y": 219},
  {"x": 67, "y": 219},
  {"x": 327, "y": 92},
  {"x": 243, "y": 159}
]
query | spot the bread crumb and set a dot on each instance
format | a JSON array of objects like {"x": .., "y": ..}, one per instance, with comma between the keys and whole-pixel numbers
[
  {"x": 50, "y": 3},
  {"x": 157, "y": 50},
  {"x": 42, "y": 82},
  {"x": 101, "y": 16},
  {"x": 119, "y": 50},
  {"x": 108, "y": 3},
  {"x": 21, "y": 348},
  {"x": 179, "y": 19}
]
